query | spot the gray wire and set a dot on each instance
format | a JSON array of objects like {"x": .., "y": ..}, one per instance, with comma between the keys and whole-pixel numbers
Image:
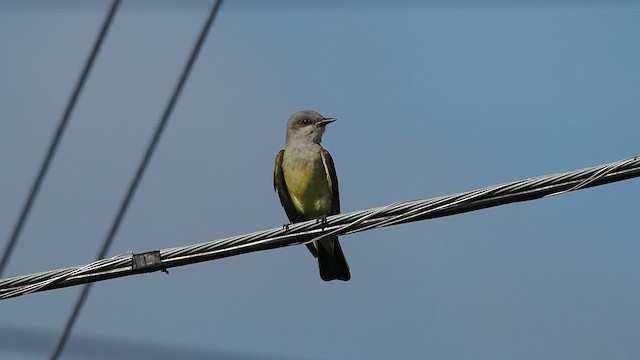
[
  {"x": 135, "y": 181},
  {"x": 57, "y": 136},
  {"x": 342, "y": 224}
]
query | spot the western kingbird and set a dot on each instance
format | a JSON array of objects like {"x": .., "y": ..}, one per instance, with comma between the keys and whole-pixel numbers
[{"x": 307, "y": 185}]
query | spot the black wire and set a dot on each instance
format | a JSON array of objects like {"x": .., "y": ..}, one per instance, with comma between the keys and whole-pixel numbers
[
  {"x": 35, "y": 187},
  {"x": 62, "y": 340}
]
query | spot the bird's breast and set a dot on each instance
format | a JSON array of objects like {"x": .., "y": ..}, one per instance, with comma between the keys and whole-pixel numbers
[{"x": 306, "y": 181}]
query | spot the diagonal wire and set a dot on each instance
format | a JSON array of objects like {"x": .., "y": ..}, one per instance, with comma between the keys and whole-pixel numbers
[
  {"x": 341, "y": 224},
  {"x": 64, "y": 336},
  {"x": 57, "y": 136}
]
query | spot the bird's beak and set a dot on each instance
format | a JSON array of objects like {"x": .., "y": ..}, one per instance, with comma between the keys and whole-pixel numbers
[{"x": 325, "y": 121}]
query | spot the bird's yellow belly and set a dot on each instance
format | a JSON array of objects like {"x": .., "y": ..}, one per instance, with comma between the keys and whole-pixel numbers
[{"x": 307, "y": 183}]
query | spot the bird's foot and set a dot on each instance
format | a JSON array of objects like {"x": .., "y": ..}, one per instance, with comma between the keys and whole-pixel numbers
[
  {"x": 322, "y": 220},
  {"x": 285, "y": 227}
]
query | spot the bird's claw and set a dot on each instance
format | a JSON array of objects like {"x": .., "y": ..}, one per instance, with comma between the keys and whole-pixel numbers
[{"x": 322, "y": 220}]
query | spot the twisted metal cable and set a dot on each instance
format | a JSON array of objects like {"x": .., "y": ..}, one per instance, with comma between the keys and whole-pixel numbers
[{"x": 342, "y": 224}]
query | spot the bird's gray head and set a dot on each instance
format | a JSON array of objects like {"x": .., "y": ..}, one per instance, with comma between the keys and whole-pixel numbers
[{"x": 307, "y": 126}]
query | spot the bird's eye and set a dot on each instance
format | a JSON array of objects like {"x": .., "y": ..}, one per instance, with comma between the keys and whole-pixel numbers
[{"x": 305, "y": 121}]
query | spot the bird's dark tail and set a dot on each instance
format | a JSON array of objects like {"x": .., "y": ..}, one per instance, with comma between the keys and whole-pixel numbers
[{"x": 331, "y": 260}]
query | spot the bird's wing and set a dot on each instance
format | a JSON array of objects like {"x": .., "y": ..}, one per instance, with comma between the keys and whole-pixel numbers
[
  {"x": 283, "y": 193},
  {"x": 332, "y": 178}
]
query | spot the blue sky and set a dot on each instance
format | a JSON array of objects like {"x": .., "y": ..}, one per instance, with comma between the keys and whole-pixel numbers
[{"x": 431, "y": 99}]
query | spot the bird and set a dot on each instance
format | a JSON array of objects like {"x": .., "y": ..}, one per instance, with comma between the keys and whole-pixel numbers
[{"x": 305, "y": 179}]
